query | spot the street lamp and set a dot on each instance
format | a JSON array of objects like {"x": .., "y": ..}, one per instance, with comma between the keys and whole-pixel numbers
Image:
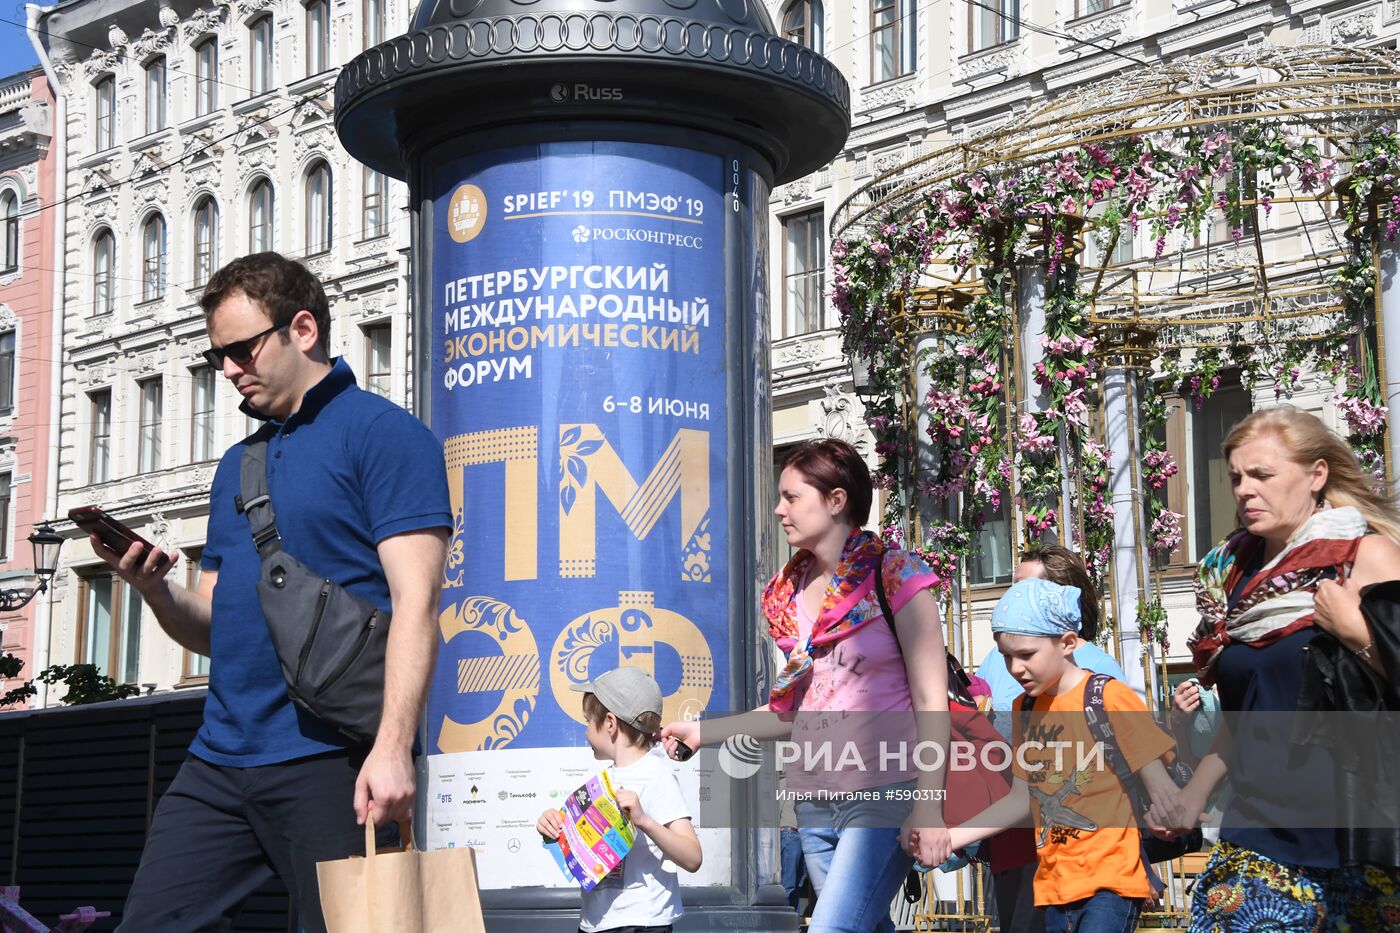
[
  {"x": 46, "y": 543},
  {"x": 861, "y": 380}
]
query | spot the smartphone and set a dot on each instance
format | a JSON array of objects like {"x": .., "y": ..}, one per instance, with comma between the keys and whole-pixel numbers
[{"x": 111, "y": 532}]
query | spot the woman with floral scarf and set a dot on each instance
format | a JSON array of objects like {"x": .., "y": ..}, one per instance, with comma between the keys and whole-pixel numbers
[
  {"x": 848, "y": 692},
  {"x": 1313, "y": 534}
]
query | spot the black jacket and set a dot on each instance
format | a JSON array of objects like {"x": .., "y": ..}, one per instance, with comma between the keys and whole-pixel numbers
[{"x": 1360, "y": 722}]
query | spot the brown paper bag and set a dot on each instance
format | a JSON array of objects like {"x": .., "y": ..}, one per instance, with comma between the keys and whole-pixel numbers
[{"x": 432, "y": 892}]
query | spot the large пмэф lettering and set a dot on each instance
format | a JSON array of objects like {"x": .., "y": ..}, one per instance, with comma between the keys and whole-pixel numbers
[{"x": 579, "y": 389}]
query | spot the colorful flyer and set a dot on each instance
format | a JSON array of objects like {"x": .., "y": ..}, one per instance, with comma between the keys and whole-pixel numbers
[{"x": 597, "y": 836}]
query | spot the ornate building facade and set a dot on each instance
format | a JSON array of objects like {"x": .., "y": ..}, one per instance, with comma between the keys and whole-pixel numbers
[
  {"x": 191, "y": 133},
  {"x": 194, "y": 133},
  {"x": 926, "y": 77},
  {"x": 28, "y": 184}
]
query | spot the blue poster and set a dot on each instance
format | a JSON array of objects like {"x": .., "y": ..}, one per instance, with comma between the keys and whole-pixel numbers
[{"x": 578, "y": 386}]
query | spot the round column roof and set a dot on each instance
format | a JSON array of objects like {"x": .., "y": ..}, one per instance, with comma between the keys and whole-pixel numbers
[{"x": 712, "y": 65}]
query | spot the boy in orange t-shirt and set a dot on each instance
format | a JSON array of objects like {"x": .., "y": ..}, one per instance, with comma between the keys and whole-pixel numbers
[{"x": 1091, "y": 878}]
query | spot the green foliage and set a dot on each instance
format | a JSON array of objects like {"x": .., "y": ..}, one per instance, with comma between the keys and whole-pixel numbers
[
  {"x": 1152, "y": 624},
  {"x": 86, "y": 684},
  {"x": 1372, "y": 206},
  {"x": 10, "y": 666},
  {"x": 995, "y": 218}
]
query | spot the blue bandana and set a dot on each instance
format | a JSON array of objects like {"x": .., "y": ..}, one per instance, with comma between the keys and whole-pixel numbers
[{"x": 1037, "y": 607}]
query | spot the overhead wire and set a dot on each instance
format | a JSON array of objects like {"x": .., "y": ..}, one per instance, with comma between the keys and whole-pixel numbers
[
  {"x": 297, "y": 102},
  {"x": 1020, "y": 23},
  {"x": 827, "y": 52},
  {"x": 168, "y": 68},
  {"x": 83, "y": 307},
  {"x": 133, "y": 177},
  {"x": 1056, "y": 34}
]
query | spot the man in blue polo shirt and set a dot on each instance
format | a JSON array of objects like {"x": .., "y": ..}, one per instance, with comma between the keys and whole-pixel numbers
[{"x": 360, "y": 492}]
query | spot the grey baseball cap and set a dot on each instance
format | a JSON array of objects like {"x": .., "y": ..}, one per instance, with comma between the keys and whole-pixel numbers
[{"x": 625, "y": 692}]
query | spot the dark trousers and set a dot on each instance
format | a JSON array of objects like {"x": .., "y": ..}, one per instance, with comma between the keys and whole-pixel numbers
[
  {"x": 219, "y": 833},
  {"x": 1015, "y": 894}
]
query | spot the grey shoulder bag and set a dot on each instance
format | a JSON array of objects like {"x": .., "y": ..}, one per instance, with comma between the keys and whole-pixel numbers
[{"x": 329, "y": 641}]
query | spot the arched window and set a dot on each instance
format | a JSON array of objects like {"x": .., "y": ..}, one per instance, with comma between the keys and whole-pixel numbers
[
  {"x": 260, "y": 54},
  {"x": 104, "y": 261},
  {"x": 318, "y": 41},
  {"x": 318, "y": 209},
  {"x": 105, "y": 106},
  {"x": 206, "y": 239},
  {"x": 206, "y": 72},
  {"x": 155, "y": 95},
  {"x": 153, "y": 258},
  {"x": 9, "y": 217},
  {"x": 802, "y": 23},
  {"x": 261, "y": 217}
]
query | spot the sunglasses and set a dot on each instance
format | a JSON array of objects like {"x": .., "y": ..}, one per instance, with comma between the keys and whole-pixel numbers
[{"x": 241, "y": 351}]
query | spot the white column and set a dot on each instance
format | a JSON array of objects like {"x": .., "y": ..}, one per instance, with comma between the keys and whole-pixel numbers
[
  {"x": 1388, "y": 274},
  {"x": 926, "y": 457},
  {"x": 1030, "y": 326},
  {"x": 1031, "y": 278},
  {"x": 1129, "y": 551},
  {"x": 926, "y": 452}
]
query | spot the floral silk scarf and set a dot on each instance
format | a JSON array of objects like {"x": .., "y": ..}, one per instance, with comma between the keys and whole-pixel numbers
[
  {"x": 853, "y": 581},
  {"x": 1278, "y": 600}
]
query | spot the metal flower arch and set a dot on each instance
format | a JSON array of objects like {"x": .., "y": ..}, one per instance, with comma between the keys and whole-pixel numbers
[{"x": 987, "y": 287}]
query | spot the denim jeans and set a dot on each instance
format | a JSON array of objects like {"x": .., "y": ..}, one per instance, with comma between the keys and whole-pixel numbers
[
  {"x": 793, "y": 867},
  {"x": 1105, "y": 912},
  {"x": 856, "y": 865}
]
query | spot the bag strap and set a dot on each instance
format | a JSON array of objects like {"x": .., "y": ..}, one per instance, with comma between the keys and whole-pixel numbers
[
  {"x": 958, "y": 682},
  {"x": 253, "y": 499},
  {"x": 372, "y": 843},
  {"x": 885, "y": 600},
  {"x": 1096, "y": 715}
]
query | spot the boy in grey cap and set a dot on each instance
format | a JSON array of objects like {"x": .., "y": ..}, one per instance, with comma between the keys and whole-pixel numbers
[{"x": 642, "y": 895}]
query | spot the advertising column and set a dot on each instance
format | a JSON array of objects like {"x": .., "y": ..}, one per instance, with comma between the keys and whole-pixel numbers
[{"x": 578, "y": 386}]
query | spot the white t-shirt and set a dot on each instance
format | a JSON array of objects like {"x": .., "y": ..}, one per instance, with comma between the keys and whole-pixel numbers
[{"x": 644, "y": 889}]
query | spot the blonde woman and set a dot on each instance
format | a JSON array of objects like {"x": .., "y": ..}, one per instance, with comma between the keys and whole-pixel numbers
[{"x": 1313, "y": 534}]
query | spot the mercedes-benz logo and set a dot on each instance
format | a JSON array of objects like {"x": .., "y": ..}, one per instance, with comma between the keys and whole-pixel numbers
[{"x": 513, "y": 845}]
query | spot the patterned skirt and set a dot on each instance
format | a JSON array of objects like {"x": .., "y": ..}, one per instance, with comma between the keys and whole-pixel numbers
[{"x": 1241, "y": 891}]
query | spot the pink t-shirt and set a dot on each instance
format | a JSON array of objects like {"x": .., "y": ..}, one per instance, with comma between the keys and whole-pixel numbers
[{"x": 847, "y": 728}]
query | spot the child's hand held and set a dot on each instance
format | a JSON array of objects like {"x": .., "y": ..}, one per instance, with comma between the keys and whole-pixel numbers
[
  {"x": 550, "y": 825},
  {"x": 629, "y": 803}
]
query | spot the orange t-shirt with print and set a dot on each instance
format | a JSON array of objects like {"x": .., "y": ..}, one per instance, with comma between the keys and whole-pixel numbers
[{"x": 1085, "y": 831}]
